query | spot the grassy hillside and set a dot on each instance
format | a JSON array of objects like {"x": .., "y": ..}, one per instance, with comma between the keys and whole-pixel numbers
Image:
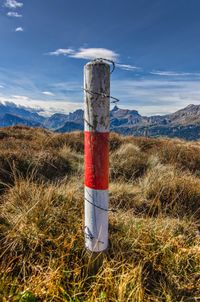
[{"x": 154, "y": 252}]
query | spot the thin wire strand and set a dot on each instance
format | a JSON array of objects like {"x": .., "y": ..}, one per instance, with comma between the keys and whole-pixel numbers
[
  {"x": 89, "y": 235},
  {"x": 100, "y": 208},
  {"x": 102, "y": 94}
]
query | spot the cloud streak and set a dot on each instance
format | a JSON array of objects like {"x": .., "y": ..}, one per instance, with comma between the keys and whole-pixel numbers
[
  {"x": 61, "y": 51},
  {"x": 156, "y": 96},
  {"x": 93, "y": 53},
  {"x": 86, "y": 53},
  {"x": 48, "y": 93},
  {"x": 14, "y": 15},
  {"x": 128, "y": 67},
  {"x": 174, "y": 73},
  {"x": 13, "y": 4},
  {"x": 19, "y": 29}
]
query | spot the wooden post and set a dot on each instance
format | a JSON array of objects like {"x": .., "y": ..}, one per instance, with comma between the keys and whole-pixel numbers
[{"x": 97, "y": 120}]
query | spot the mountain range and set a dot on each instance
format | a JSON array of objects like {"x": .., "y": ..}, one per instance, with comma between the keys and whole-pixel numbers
[{"x": 184, "y": 123}]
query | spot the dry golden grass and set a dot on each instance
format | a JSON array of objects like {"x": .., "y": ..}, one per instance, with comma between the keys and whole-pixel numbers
[
  {"x": 154, "y": 251},
  {"x": 169, "y": 190},
  {"x": 128, "y": 162}
]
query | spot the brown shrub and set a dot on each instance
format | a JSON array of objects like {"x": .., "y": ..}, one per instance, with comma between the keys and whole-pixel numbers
[
  {"x": 35, "y": 220},
  {"x": 10, "y": 163},
  {"x": 169, "y": 190},
  {"x": 123, "y": 196},
  {"x": 127, "y": 163},
  {"x": 116, "y": 141},
  {"x": 147, "y": 144},
  {"x": 74, "y": 140},
  {"x": 184, "y": 155}
]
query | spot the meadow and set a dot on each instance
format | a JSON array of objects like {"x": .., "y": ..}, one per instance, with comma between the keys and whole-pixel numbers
[{"x": 154, "y": 227}]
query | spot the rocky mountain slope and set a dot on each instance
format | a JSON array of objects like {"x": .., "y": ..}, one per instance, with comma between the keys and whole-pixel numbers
[
  {"x": 27, "y": 114},
  {"x": 189, "y": 115},
  {"x": 184, "y": 123},
  {"x": 12, "y": 120}
]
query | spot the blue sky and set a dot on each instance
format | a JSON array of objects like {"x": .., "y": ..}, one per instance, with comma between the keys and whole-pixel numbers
[{"x": 44, "y": 45}]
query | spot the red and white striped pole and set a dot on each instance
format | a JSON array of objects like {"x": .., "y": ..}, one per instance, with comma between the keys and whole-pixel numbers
[{"x": 97, "y": 120}]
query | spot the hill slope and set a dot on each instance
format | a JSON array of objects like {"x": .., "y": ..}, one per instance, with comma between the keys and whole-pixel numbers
[{"x": 154, "y": 252}]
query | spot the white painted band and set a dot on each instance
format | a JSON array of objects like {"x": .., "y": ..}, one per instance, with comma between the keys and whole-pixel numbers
[{"x": 96, "y": 219}]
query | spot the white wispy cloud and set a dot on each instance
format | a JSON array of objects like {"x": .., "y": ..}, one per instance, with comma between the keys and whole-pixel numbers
[
  {"x": 19, "y": 29},
  {"x": 128, "y": 67},
  {"x": 86, "y": 53},
  {"x": 93, "y": 53},
  {"x": 14, "y": 15},
  {"x": 20, "y": 97},
  {"x": 61, "y": 51},
  {"x": 13, "y": 4},
  {"x": 68, "y": 86},
  {"x": 45, "y": 108},
  {"x": 1, "y": 86},
  {"x": 48, "y": 93},
  {"x": 159, "y": 96},
  {"x": 174, "y": 73}
]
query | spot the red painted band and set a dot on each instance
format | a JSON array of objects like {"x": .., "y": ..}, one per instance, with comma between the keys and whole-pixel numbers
[{"x": 96, "y": 160}]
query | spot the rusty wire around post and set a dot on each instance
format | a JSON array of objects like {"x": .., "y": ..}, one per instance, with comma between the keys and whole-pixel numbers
[
  {"x": 103, "y": 95},
  {"x": 115, "y": 100},
  {"x": 106, "y": 60}
]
